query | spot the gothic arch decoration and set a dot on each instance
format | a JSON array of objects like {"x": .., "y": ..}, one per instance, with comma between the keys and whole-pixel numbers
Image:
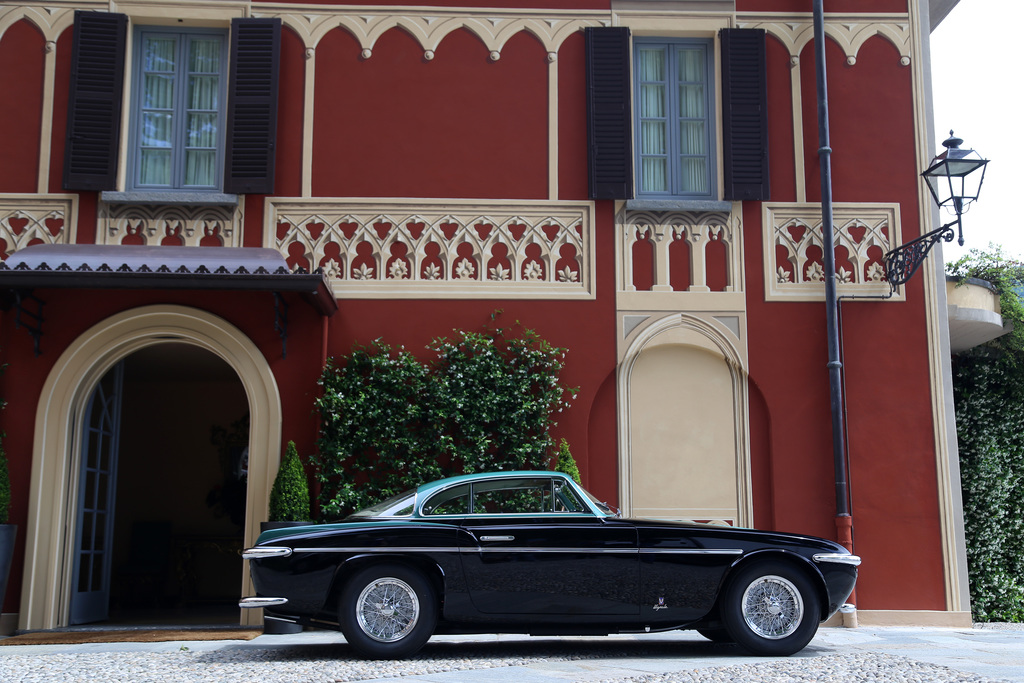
[
  {"x": 50, "y": 21},
  {"x": 849, "y": 32},
  {"x": 53, "y": 494},
  {"x": 715, "y": 338},
  {"x": 550, "y": 28}
]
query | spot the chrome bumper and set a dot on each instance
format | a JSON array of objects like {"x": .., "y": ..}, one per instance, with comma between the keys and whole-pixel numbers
[
  {"x": 261, "y": 602},
  {"x": 838, "y": 558}
]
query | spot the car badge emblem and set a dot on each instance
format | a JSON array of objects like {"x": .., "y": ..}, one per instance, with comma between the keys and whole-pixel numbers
[{"x": 661, "y": 604}]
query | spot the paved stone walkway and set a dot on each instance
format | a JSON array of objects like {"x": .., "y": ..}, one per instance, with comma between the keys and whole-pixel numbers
[{"x": 870, "y": 655}]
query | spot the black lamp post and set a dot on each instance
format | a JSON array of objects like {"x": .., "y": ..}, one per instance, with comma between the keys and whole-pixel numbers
[{"x": 954, "y": 182}]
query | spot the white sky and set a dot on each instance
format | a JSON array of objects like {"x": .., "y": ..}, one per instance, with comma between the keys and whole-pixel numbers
[{"x": 977, "y": 88}]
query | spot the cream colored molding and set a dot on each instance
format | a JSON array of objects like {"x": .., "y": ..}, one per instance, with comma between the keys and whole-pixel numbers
[
  {"x": 196, "y": 12},
  {"x": 189, "y": 223},
  {"x": 53, "y": 492},
  {"x": 793, "y": 246},
  {"x": 422, "y": 248},
  {"x": 951, "y": 518},
  {"x": 45, "y": 219},
  {"x": 849, "y": 31},
  {"x": 694, "y": 330},
  {"x": 660, "y": 229},
  {"x": 672, "y": 24},
  {"x": 430, "y": 25}
]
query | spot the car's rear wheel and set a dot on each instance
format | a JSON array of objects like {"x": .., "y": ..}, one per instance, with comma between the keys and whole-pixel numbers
[
  {"x": 388, "y": 611},
  {"x": 771, "y": 608}
]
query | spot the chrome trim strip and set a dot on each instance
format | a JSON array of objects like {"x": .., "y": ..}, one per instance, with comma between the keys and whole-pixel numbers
[
  {"x": 525, "y": 549},
  {"x": 265, "y": 551},
  {"x": 497, "y": 538},
  {"x": 691, "y": 551},
  {"x": 379, "y": 549},
  {"x": 838, "y": 558},
  {"x": 261, "y": 602}
]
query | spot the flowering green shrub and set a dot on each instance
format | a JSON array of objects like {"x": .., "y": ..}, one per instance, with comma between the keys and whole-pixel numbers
[
  {"x": 389, "y": 422},
  {"x": 988, "y": 384}
]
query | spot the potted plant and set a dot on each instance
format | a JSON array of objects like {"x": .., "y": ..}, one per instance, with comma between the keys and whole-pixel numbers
[
  {"x": 566, "y": 463},
  {"x": 7, "y": 531},
  {"x": 289, "y": 497},
  {"x": 289, "y": 506}
]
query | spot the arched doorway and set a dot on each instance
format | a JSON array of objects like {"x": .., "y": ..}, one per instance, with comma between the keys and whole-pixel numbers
[
  {"x": 161, "y": 505},
  {"x": 181, "y": 337}
]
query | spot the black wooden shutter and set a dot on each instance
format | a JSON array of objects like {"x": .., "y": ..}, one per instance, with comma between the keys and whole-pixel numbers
[
  {"x": 252, "y": 106},
  {"x": 609, "y": 129},
  {"x": 744, "y": 114},
  {"x": 94, "y": 101}
]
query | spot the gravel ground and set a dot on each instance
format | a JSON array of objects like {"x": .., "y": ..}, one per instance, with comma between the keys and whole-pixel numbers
[{"x": 308, "y": 664}]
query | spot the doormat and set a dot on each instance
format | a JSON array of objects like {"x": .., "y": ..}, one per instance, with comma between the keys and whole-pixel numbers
[{"x": 129, "y": 636}]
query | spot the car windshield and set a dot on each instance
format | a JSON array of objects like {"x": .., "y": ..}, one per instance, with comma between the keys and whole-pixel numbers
[
  {"x": 395, "y": 506},
  {"x": 604, "y": 507}
]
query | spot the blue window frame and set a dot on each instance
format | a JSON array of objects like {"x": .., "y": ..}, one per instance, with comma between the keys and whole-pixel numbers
[
  {"x": 675, "y": 133},
  {"x": 180, "y": 86}
]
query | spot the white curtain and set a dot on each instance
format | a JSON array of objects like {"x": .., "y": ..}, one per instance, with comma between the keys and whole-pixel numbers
[
  {"x": 652, "y": 65},
  {"x": 201, "y": 135},
  {"x": 157, "y": 125},
  {"x": 692, "y": 116}
]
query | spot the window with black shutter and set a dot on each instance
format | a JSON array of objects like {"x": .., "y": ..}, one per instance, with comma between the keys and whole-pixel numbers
[
  {"x": 252, "y": 107},
  {"x": 193, "y": 127},
  {"x": 94, "y": 102},
  {"x": 744, "y": 114},
  {"x": 608, "y": 113}
]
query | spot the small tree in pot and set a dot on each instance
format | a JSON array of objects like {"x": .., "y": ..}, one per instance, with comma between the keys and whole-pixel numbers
[{"x": 289, "y": 498}]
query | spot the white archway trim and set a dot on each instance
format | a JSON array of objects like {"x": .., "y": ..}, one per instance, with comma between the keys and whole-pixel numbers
[
  {"x": 715, "y": 337},
  {"x": 53, "y": 493}
]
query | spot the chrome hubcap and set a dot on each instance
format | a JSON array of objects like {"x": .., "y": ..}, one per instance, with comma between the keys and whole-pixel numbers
[
  {"x": 387, "y": 610},
  {"x": 772, "y": 607}
]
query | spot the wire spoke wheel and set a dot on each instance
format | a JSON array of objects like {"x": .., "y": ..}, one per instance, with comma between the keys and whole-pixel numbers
[
  {"x": 387, "y": 610},
  {"x": 772, "y": 607}
]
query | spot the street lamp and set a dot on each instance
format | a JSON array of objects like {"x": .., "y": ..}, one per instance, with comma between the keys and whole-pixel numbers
[{"x": 954, "y": 183}]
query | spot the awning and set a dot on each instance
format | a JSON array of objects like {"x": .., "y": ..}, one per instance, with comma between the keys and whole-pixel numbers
[{"x": 91, "y": 266}]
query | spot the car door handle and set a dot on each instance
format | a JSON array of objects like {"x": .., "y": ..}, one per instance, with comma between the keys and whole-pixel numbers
[{"x": 497, "y": 538}]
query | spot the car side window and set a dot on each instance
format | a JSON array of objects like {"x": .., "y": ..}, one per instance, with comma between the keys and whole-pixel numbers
[
  {"x": 453, "y": 501},
  {"x": 566, "y": 499}
]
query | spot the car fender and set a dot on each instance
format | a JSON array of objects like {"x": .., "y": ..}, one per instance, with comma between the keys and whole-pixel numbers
[
  {"x": 797, "y": 560},
  {"x": 434, "y": 572}
]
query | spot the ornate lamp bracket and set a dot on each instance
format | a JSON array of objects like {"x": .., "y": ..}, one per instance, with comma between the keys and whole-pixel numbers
[{"x": 902, "y": 262}]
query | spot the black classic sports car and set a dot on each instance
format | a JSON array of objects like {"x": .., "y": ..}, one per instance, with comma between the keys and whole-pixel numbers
[{"x": 532, "y": 552}]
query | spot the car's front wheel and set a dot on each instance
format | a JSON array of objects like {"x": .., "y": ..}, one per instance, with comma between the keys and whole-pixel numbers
[
  {"x": 388, "y": 611},
  {"x": 771, "y": 608}
]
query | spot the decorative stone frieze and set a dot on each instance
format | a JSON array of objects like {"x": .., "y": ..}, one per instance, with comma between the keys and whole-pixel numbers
[
  {"x": 184, "y": 225},
  {"x": 37, "y": 219},
  {"x": 659, "y": 231},
  {"x": 421, "y": 248},
  {"x": 794, "y": 270}
]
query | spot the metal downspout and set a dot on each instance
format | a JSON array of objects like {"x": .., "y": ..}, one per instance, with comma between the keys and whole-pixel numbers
[{"x": 843, "y": 519}]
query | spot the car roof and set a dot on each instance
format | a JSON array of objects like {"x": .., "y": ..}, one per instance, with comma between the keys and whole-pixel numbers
[{"x": 426, "y": 489}]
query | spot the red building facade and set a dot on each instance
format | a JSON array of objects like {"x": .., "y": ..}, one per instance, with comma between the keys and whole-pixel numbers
[{"x": 637, "y": 181}]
